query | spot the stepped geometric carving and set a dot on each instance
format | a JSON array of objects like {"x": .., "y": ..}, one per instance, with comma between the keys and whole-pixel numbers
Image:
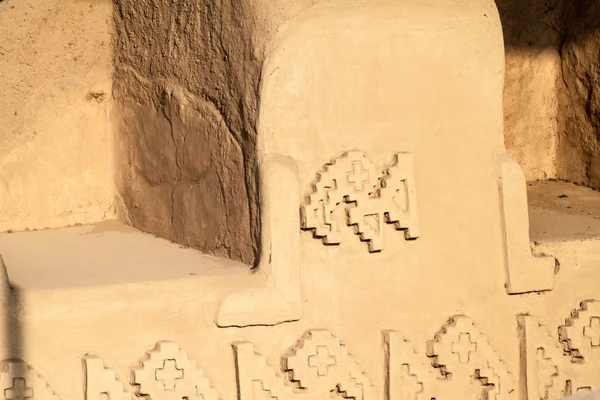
[
  {"x": 463, "y": 366},
  {"x": 318, "y": 365},
  {"x": 559, "y": 366},
  {"x": 101, "y": 382},
  {"x": 371, "y": 197},
  {"x": 19, "y": 382},
  {"x": 168, "y": 374}
]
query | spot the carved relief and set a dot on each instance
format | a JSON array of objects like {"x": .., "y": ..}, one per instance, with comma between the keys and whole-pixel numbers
[
  {"x": 166, "y": 374},
  {"x": 318, "y": 365},
  {"x": 558, "y": 366},
  {"x": 370, "y": 198},
  {"x": 463, "y": 365},
  {"x": 101, "y": 382},
  {"x": 19, "y": 382}
]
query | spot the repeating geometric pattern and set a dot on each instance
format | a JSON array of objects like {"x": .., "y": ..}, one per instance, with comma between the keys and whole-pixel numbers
[
  {"x": 368, "y": 196},
  {"x": 166, "y": 374},
  {"x": 458, "y": 363},
  {"x": 318, "y": 365},
  {"x": 562, "y": 365}
]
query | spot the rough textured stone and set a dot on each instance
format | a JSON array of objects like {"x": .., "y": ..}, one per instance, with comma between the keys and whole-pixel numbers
[
  {"x": 532, "y": 39},
  {"x": 55, "y": 151},
  {"x": 187, "y": 88},
  {"x": 579, "y": 149}
]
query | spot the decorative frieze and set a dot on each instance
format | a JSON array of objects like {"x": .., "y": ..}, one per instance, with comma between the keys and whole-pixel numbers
[
  {"x": 166, "y": 374},
  {"x": 370, "y": 197},
  {"x": 318, "y": 365},
  {"x": 458, "y": 363},
  {"x": 556, "y": 366}
]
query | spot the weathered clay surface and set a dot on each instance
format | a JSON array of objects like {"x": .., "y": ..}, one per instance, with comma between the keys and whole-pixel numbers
[
  {"x": 532, "y": 40},
  {"x": 579, "y": 149},
  {"x": 418, "y": 314},
  {"x": 56, "y": 78},
  {"x": 186, "y": 81}
]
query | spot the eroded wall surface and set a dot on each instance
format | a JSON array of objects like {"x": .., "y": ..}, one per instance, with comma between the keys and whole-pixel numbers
[
  {"x": 532, "y": 41},
  {"x": 56, "y": 74},
  {"x": 551, "y": 88},
  {"x": 579, "y": 149},
  {"x": 186, "y": 84},
  {"x": 408, "y": 274}
]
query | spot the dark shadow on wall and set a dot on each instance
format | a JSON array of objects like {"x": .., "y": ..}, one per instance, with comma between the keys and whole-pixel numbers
[
  {"x": 570, "y": 29},
  {"x": 547, "y": 23},
  {"x": 13, "y": 326},
  {"x": 531, "y": 23}
]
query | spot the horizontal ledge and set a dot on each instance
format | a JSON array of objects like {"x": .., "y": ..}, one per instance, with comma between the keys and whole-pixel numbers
[{"x": 103, "y": 254}]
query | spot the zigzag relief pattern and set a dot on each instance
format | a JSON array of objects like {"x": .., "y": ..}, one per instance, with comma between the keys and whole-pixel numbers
[
  {"x": 318, "y": 365},
  {"x": 559, "y": 366},
  {"x": 463, "y": 366},
  {"x": 370, "y": 198}
]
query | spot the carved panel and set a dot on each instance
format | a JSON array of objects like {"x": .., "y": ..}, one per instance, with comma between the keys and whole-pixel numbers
[
  {"x": 370, "y": 198},
  {"x": 166, "y": 374},
  {"x": 317, "y": 366},
  {"x": 564, "y": 364},
  {"x": 458, "y": 363},
  {"x": 19, "y": 382},
  {"x": 169, "y": 374}
]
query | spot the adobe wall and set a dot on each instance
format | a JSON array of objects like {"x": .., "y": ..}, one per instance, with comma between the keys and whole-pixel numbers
[
  {"x": 408, "y": 273},
  {"x": 166, "y": 87},
  {"x": 55, "y": 152},
  {"x": 187, "y": 76},
  {"x": 193, "y": 86},
  {"x": 186, "y": 85}
]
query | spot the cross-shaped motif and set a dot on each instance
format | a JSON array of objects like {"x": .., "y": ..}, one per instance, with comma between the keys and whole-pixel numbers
[
  {"x": 593, "y": 331},
  {"x": 169, "y": 374},
  {"x": 358, "y": 176},
  {"x": 19, "y": 390},
  {"x": 464, "y": 347},
  {"x": 322, "y": 360}
]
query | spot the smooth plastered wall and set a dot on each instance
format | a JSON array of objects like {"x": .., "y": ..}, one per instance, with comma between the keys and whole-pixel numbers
[{"x": 56, "y": 74}]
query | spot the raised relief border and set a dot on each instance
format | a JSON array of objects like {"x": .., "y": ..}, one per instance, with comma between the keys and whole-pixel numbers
[
  {"x": 278, "y": 300},
  {"x": 458, "y": 363},
  {"x": 526, "y": 272},
  {"x": 555, "y": 366},
  {"x": 368, "y": 197}
]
